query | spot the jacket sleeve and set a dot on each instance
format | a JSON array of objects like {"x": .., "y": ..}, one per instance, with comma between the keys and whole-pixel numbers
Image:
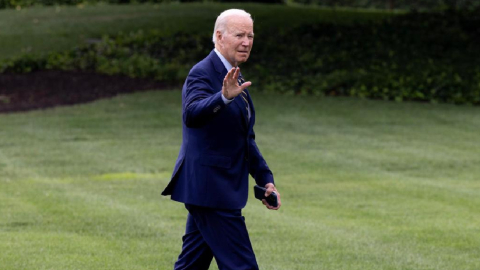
[
  {"x": 258, "y": 167},
  {"x": 202, "y": 102}
]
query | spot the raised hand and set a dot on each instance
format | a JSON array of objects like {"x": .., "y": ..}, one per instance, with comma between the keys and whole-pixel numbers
[{"x": 231, "y": 87}]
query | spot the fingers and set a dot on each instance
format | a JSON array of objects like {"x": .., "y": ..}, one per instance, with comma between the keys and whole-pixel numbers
[
  {"x": 266, "y": 204},
  {"x": 245, "y": 85},
  {"x": 269, "y": 206},
  {"x": 278, "y": 200},
  {"x": 236, "y": 74},
  {"x": 225, "y": 89},
  {"x": 233, "y": 73},
  {"x": 270, "y": 189},
  {"x": 230, "y": 74},
  {"x": 231, "y": 85}
]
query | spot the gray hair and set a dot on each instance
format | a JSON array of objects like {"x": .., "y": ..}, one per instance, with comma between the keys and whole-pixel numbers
[{"x": 222, "y": 19}]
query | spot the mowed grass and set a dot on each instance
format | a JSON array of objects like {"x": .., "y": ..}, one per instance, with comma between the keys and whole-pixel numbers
[
  {"x": 45, "y": 29},
  {"x": 365, "y": 185}
]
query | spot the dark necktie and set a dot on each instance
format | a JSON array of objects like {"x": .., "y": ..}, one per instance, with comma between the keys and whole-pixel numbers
[{"x": 244, "y": 96}]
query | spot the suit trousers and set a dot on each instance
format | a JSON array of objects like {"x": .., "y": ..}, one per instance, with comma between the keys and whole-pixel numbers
[{"x": 215, "y": 233}]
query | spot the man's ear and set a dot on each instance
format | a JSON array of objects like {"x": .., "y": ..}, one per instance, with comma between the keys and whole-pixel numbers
[{"x": 219, "y": 37}]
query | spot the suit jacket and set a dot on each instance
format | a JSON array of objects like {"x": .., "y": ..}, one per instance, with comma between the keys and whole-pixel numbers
[{"x": 218, "y": 149}]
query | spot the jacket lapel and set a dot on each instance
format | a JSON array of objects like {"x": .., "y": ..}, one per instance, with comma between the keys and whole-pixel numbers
[
  {"x": 243, "y": 109},
  {"x": 218, "y": 65}
]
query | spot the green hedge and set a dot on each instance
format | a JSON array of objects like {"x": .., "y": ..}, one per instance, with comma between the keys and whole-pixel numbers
[
  {"x": 430, "y": 57},
  {"x": 379, "y": 4},
  {"x": 138, "y": 55},
  {"x": 395, "y": 4},
  {"x": 427, "y": 57},
  {"x": 28, "y": 3}
]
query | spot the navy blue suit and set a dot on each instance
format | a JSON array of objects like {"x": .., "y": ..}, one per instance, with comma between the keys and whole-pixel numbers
[{"x": 211, "y": 173}]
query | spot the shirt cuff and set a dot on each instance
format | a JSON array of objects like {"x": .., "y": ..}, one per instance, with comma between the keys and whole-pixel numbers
[{"x": 227, "y": 101}]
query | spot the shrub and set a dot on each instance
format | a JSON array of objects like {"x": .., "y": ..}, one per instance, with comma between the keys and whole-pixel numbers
[
  {"x": 398, "y": 4},
  {"x": 138, "y": 55},
  {"x": 428, "y": 57},
  {"x": 28, "y": 3}
]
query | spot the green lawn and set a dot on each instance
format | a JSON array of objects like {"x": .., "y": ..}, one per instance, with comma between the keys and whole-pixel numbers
[
  {"x": 365, "y": 185},
  {"x": 42, "y": 29}
]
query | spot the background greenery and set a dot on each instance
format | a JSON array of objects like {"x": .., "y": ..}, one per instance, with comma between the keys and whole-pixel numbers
[
  {"x": 416, "y": 56},
  {"x": 396, "y": 4},
  {"x": 376, "y": 4},
  {"x": 38, "y": 30},
  {"x": 28, "y": 3},
  {"x": 364, "y": 184}
]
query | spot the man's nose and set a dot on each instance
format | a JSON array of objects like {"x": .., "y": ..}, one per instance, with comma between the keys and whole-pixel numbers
[{"x": 246, "y": 42}]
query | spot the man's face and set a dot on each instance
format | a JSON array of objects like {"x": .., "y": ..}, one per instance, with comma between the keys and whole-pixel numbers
[{"x": 236, "y": 42}]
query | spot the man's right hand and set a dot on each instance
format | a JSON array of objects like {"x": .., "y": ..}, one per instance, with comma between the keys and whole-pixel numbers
[
  {"x": 231, "y": 87},
  {"x": 271, "y": 188}
]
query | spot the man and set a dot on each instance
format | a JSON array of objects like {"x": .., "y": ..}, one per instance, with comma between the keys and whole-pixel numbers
[{"x": 218, "y": 152}]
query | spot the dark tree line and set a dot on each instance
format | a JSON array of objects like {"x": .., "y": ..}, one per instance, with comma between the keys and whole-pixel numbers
[{"x": 400, "y": 4}]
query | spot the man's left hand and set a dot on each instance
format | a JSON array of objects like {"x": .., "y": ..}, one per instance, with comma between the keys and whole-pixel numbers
[{"x": 271, "y": 188}]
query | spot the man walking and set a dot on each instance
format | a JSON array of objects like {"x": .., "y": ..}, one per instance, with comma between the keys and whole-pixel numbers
[{"x": 218, "y": 152}]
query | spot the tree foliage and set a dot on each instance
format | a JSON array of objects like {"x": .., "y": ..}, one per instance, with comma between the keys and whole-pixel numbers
[
  {"x": 400, "y": 4},
  {"x": 28, "y": 3}
]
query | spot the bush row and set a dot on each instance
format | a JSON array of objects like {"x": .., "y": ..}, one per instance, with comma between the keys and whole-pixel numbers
[
  {"x": 28, "y": 3},
  {"x": 379, "y": 4},
  {"x": 395, "y": 4},
  {"x": 137, "y": 55},
  {"x": 427, "y": 57}
]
